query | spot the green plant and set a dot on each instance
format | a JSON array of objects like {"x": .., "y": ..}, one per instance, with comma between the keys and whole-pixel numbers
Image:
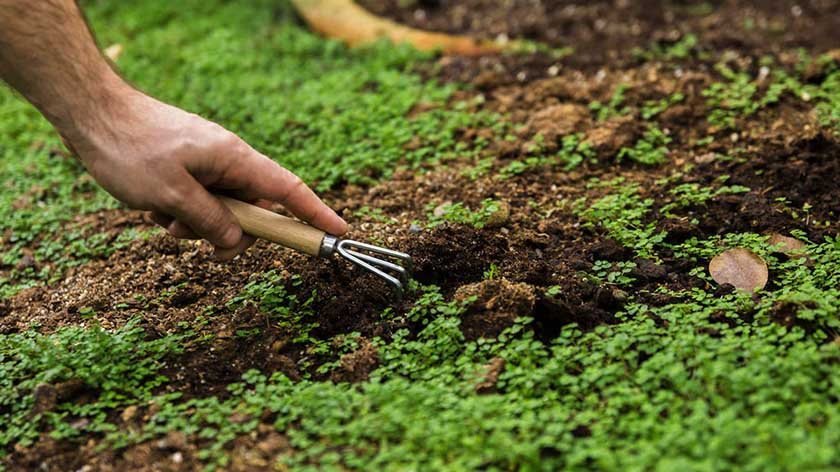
[
  {"x": 653, "y": 108},
  {"x": 572, "y": 153},
  {"x": 615, "y": 106},
  {"x": 458, "y": 213},
  {"x": 681, "y": 49},
  {"x": 492, "y": 272},
  {"x": 373, "y": 214},
  {"x": 120, "y": 368},
  {"x": 618, "y": 273},
  {"x": 622, "y": 214},
  {"x": 693, "y": 194},
  {"x": 275, "y": 297},
  {"x": 651, "y": 149}
]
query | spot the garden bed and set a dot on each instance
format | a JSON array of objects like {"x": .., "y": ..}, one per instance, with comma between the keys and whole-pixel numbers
[{"x": 561, "y": 207}]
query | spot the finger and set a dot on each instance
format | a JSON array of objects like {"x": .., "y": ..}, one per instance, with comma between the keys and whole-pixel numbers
[
  {"x": 223, "y": 254},
  {"x": 192, "y": 205},
  {"x": 181, "y": 231},
  {"x": 260, "y": 177},
  {"x": 160, "y": 218}
]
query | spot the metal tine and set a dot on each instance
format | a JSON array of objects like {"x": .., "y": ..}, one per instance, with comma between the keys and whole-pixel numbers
[
  {"x": 379, "y": 262},
  {"x": 395, "y": 282},
  {"x": 401, "y": 256},
  {"x": 367, "y": 261}
]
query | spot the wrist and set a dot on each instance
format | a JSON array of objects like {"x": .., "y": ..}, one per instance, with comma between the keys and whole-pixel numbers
[{"x": 90, "y": 113}]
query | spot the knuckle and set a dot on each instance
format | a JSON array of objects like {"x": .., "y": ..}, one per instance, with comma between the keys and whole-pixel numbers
[
  {"x": 225, "y": 140},
  {"x": 170, "y": 198},
  {"x": 293, "y": 187}
]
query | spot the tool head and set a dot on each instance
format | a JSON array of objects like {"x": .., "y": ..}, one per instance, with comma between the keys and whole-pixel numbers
[{"x": 392, "y": 266}]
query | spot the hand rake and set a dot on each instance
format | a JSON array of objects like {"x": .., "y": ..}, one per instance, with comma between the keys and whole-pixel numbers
[{"x": 390, "y": 265}]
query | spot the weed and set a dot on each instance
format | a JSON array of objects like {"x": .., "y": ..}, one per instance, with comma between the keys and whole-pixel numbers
[
  {"x": 492, "y": 272},
  {"x": 373, "y": 214}
]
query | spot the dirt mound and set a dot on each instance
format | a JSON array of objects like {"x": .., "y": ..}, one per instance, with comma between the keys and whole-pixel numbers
[{"x": 493, "y": 305}]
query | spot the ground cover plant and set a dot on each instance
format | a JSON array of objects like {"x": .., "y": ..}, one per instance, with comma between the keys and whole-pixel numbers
[{"x": 562, "y": 212}]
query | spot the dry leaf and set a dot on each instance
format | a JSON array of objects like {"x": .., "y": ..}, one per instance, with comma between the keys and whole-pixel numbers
[
  {"x": 344, "y": 20},
  {"x": 113, "y": 51},
  {"x": 740, "y": 268},
  {"x": 786, "y": 245}
]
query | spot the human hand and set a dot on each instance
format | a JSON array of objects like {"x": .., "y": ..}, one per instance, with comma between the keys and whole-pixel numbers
[{"x": 156, "y": 157}]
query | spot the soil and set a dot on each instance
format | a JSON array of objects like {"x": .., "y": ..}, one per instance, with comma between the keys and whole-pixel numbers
[{"x": 779, "y": 152}]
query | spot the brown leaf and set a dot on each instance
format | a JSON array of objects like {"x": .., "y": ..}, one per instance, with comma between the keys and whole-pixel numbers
[
  {"x": 786, "y": 245},
  {"x": 740, "y": 268},
  {"x": 344, "y": 20},
  {"x": 492, "y": 371}
]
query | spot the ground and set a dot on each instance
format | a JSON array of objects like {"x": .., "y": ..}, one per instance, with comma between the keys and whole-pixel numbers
[{"x": 562, "y": 204}]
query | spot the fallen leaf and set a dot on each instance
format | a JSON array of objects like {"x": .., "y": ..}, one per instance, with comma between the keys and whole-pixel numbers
[
  {"x": 786, "y": 245},
  {"x": 492, "y": 371},
  {"x": 740, "y": 268},
  {"x": 344, "y": 20},
  {"x": 113, "y": 52}
]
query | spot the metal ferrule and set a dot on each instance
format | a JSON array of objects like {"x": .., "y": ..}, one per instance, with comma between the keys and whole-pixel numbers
[{"x": 328, "y": 246}]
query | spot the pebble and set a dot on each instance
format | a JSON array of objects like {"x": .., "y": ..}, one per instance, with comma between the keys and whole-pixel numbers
[
  {"x": 415, "y": 228},
  {"x": 440, "y": 210}
]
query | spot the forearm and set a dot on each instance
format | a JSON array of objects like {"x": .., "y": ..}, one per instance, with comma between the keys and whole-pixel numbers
[{"x": 48, "y": 54}]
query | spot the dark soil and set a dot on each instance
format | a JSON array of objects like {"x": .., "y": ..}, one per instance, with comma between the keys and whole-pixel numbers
[
  {"x": 779, "y": 152},
  {"x": 605, "y": 31}
]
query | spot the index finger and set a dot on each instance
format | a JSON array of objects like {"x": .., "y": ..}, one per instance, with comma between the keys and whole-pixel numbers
[{"x": 256, "y": 176}]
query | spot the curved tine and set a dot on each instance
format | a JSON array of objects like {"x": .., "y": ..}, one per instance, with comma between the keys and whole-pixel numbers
[
  {"x": 379, "y": 250},
  {"x": 395, "y": 283},
  {"x": 379, "y": 262}
]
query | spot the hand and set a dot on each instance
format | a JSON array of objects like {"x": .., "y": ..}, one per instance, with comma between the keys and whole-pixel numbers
[{"x": 156, "y": 157}]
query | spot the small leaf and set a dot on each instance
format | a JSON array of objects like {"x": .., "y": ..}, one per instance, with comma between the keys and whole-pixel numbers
[
  {"x": 786, "y": 245},
  {"x": 740, "y": 268}
]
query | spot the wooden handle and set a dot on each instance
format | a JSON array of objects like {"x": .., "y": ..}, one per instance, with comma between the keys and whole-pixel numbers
[{"x": 268, "y": 225}]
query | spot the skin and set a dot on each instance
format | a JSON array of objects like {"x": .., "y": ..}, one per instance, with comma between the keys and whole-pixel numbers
[{"x": 149, "y": 155}]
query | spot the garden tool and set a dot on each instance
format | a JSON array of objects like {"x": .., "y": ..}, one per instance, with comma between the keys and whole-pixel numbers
[{"x": 390, "y": 265}]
